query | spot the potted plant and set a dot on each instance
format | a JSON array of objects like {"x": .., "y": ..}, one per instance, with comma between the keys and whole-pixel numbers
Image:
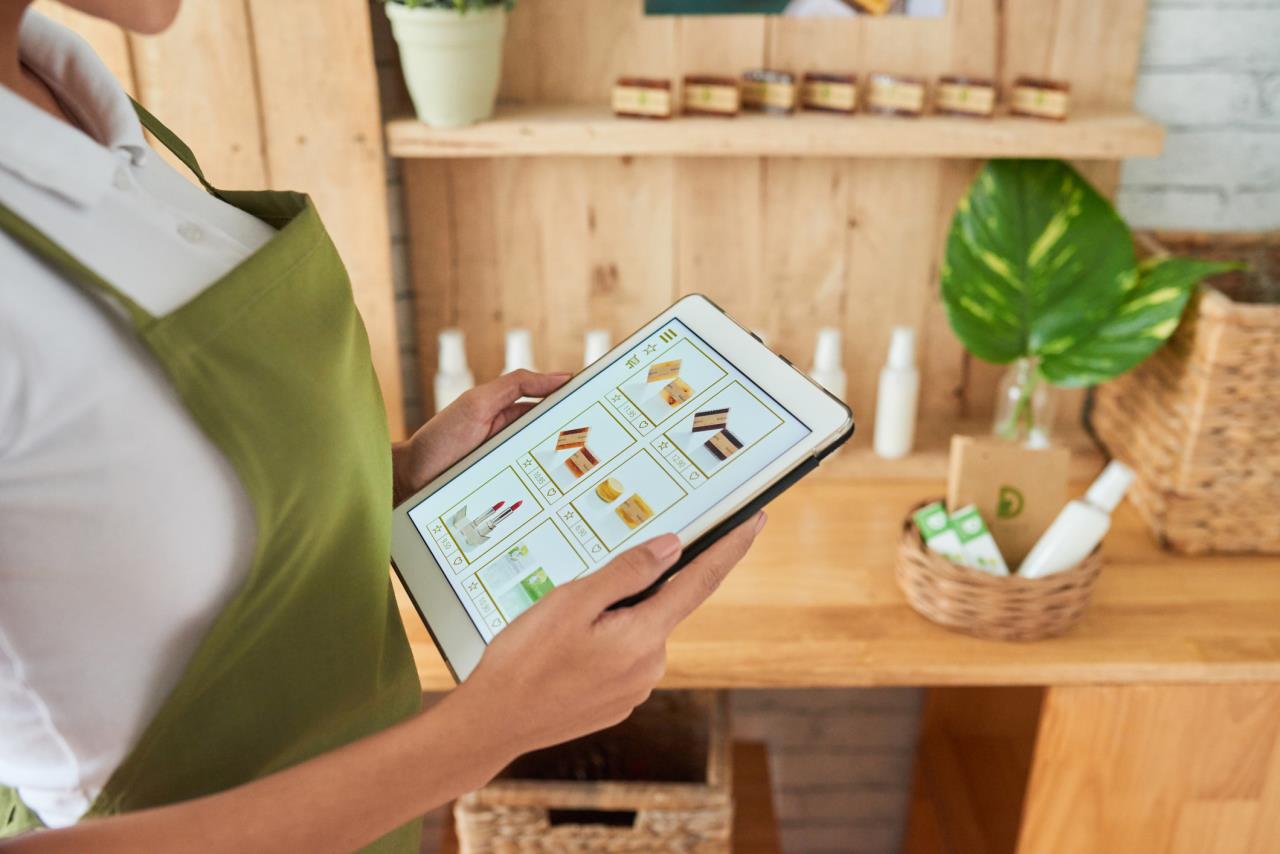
[
  {"x": 1040, "y": 273},
  {"x": 451, "y": 53}
]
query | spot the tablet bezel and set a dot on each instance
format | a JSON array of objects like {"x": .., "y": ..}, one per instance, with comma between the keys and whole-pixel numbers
[{"x": 830, "y": 422}]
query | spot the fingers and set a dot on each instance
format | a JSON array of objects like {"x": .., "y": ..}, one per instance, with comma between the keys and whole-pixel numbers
[
  {"x": 508, "y": 388},
  {"x": 692, "y": 585},
  {"x": 630, "y": 572},
  {"x": 506, "y": 416}
]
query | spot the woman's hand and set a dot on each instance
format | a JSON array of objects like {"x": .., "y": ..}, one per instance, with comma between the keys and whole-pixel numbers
[
  {"x": 568, "y": 666},
  {"x": 462, "y": 425}
]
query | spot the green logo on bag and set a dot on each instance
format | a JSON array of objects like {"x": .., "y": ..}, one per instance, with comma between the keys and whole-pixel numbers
[{"x": 1010, "y": 502}]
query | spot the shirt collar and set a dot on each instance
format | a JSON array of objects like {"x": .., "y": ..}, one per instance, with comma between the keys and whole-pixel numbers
[{"x": 47, "y": 152}]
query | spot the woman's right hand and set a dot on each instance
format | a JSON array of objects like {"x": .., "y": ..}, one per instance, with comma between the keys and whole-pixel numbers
[
  {"x": 563, "y": 669},
  {"x": 569, "y": 666}
]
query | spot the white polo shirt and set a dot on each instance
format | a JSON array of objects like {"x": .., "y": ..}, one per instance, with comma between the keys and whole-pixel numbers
[{"x": 123, "y": 530}]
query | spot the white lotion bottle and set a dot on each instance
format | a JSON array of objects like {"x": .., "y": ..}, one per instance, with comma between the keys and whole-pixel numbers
[
  {"x": 596, "y": 344},
  {"x": 453, "y": 377},
  {"x": 828, "y": 362},
  {"x": 519, "y": 351},
  {"x": 1080, "y": 526},
  {"x": 896, "y": 397}
]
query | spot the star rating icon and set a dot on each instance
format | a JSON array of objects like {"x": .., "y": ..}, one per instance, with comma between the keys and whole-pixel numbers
[{"x": 650, "y": 349}]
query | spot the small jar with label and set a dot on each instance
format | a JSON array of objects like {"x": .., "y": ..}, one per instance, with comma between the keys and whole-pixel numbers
[
  {"x": 972, "y": 97},
  {"x": 829, "y": 93},
  {"x": 642, "y": 98},
  {"x": 1040, "y": 99},
  {"x": 705, "y": 95},
  {"x": 894, "y": 95}
]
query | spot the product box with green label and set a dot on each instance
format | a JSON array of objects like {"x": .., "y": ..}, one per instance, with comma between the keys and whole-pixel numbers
[{"x": 1017, "y": 490}]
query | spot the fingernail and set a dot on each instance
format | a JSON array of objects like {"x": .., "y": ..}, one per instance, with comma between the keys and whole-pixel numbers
[
  {"x": 761, "y": 518},
  {"x": 560, "y": 374},
  {"x": 664, "y": 548}
]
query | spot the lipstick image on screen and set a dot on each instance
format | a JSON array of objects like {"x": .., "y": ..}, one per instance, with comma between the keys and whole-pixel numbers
[
  {"x": 488, "y": 526},
  {"x": 663, "y": 371},
  {"x": 572, "y": 438},
  {"x": 484, "y": 517},
  {"x": 581, "y": 462},
  {"x": 676, "y": 392},
  {"x": 710, "y": 419},
  {"x": 723, "y": 445}
]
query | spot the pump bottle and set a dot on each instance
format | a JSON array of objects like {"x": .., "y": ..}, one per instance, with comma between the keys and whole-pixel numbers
[
  {"x": 453, "y": 377},
  {"x": 896, "y": 398},
  {"x": 1080, "y": 526},
  {"x": 519, "y": 351},
  {"x": 828, "y": 370},
  {"x": 597, "y": 343}
]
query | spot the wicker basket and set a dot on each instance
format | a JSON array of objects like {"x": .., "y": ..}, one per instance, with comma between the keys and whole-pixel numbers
[
  {"x": 990, "y": 606},
  {"x": 660, "y": 781},
  {"x": 1199, "y": 422}
]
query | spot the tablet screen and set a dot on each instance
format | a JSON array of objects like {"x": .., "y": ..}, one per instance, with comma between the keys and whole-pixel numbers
[{"x": 643, "y": 448}]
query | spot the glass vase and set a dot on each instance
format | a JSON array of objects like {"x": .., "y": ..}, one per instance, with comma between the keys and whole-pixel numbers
[{"x": 1025, "y": 405}]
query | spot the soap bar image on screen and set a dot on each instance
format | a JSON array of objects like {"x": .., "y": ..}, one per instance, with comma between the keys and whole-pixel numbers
[
  {"x": 663, "y": 371},
  {"x": 581, "y": 462},
  {"x": 575, "y": 437},
  {"x": 634, "y": 511},
  {"x": 609, "y": 489},
  {"x": 723, "y": 445},
  {"x": 710, "y": 419},
  {"x": 676, "y": 392}
]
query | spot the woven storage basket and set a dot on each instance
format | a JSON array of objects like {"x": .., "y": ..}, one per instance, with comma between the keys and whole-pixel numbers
[
  {"x": 1199, "y": 422},
  {"x": 657, "y": 782},
  {"x": 990, "y": 606}
]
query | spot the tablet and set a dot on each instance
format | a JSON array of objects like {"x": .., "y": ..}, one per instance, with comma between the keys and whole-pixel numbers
[{"x": 689, "y": 426}]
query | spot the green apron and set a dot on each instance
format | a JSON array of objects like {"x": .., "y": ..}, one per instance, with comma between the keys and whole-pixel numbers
[{"x": 273, "y": 362}]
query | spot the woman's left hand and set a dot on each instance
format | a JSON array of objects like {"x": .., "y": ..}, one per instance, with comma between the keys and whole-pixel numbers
[{"x": 462, "y": 425}]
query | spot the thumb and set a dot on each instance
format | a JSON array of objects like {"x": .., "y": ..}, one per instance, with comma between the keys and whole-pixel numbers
[{"x": 630, "y": 572}]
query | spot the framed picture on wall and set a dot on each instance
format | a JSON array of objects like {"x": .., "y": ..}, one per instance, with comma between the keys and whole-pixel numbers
[{"x": 798, "y": 8}]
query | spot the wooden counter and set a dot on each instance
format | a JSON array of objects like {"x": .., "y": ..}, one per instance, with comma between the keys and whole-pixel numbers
[{"x": 815, "y": 604}]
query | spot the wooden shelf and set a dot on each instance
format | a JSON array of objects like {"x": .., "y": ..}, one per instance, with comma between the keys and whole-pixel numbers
[
  {"x": 591, "y": 131},
  {"x": 815, "y": 604}
]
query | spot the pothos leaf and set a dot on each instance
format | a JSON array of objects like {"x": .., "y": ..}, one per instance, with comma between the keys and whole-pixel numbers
[
  {"x": 1035, "y": 261},
  {"x": 1145, "y": 318}
]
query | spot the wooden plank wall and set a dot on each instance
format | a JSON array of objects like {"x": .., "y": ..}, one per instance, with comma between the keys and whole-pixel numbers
[
  {"x": 277, "y": 93},
  {"x": 786, "y": 244}
]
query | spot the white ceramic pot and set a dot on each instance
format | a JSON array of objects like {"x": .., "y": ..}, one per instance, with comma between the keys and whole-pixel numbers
[{"x": 451, "y": 60}]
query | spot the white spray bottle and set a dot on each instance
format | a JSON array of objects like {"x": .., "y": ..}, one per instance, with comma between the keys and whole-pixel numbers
[
  {"x": 453, "y": 377},
  {"x": 828, "y": 362},
  {"x": 597, "y": 343},
  {"x": 896, "y": 398},
  {"x": 1080, "y": 526}
]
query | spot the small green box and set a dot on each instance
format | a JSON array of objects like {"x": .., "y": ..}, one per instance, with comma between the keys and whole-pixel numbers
[{"x": 537, "y": 584}]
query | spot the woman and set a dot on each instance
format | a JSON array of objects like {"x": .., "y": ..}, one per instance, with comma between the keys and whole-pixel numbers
[{"x": 198, "y": 642}]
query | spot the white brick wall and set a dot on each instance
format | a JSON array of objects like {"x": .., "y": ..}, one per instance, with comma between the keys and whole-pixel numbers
[{"x": 1210, "y": 72}]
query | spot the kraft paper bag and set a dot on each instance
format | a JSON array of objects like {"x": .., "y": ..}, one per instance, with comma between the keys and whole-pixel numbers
[{"x": 1018, "y": 491}]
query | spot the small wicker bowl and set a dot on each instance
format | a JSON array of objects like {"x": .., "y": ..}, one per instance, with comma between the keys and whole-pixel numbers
[{"x": 990, "y": 606}]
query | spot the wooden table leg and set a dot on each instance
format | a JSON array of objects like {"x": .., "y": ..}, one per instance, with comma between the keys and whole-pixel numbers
[
  {"x": 973, "y": 758},
  {"x": 1155, "y": 769}
]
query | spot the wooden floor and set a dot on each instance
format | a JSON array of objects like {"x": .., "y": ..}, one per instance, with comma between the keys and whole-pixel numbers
[{"x": 815, "y": 604}]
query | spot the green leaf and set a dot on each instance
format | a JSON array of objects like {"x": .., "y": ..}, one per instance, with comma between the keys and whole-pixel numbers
[
  {"x": 1145, "y": 318},
  {"x": 1035, "y": 261}
]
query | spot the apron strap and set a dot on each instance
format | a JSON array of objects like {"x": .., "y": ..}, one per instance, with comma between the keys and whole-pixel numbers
[
  {"x": 41, "y": 246},
  {"x": 70, "y": 266},
  {"x": 170, "y": 141}
]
